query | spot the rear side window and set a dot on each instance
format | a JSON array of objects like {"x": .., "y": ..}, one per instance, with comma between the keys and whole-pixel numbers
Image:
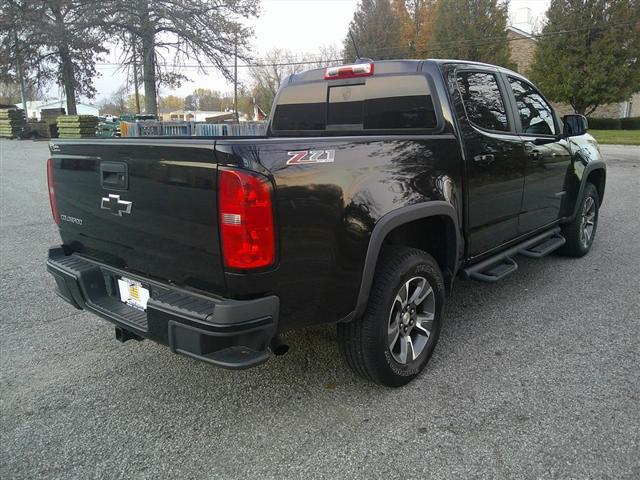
[
  {"x": 399, "y": 102},
  {"x": 535, "y": 114},
  {"x": 301, "y": 107},
  {"x": 482, "y": 100}
]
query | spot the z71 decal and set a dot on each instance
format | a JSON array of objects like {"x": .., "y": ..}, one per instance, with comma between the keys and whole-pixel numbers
[{"x": 304, "y": 157}]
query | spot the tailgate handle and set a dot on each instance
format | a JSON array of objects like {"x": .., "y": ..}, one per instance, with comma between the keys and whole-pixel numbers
[{"x": 114, "y": 175}]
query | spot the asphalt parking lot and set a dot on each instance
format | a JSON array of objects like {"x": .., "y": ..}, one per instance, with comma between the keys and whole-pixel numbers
[{"x": 535, "y": 377}]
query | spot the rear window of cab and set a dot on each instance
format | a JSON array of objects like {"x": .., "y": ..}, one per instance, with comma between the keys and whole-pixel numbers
[{"x": 401, "y": 103}]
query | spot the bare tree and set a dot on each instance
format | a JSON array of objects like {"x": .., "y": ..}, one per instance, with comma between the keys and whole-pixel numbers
[
  {"x": 170, "y": 33},
  {"x": 119, "y": 98},
  {"x": 269, "y": 72},
  {"x": 267, "y": 76}
]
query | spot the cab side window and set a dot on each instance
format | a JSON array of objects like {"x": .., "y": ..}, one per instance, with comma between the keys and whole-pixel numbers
[
  {"x": 535, "y": 113},
  {"x": 482, "y": 100}
]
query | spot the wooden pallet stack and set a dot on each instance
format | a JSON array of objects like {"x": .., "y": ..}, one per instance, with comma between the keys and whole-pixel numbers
[
  {"x": 12, "y": 122},
  {"x": 50, "y": 115},
  {"x": 77, "y": 126},
  {"x": 38, "y": 128}
]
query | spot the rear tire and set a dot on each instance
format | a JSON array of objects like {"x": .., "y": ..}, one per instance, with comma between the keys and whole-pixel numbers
[
  {"x": 394, "y": 339},
  {"x": 581, "y": 231}
]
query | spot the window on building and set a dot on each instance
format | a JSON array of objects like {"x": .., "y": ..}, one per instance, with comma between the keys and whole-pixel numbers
[{"x": 483, "y": 101}]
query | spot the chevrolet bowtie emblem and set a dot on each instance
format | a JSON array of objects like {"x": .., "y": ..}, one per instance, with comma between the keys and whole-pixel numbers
[{"x": 115, "y": 205}]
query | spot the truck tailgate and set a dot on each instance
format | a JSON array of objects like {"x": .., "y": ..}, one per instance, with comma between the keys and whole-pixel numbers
[{"x": 146, "y": 206}]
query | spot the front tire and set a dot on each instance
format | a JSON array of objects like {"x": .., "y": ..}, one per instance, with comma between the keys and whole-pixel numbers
[
  {"x": 581, "y": 231},
  {"x": 394, "y": 339}
]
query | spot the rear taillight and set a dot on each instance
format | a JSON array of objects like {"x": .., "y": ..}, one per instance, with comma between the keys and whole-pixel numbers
[
  {"x": 349, "y": 71},
  {"x": 246, "y": 219},
  {"x": 52, "y": 192}
]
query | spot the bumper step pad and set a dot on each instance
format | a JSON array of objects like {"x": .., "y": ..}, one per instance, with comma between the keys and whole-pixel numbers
[{"x": 224, "y": 332}]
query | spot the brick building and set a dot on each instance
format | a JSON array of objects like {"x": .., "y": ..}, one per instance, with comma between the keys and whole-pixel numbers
[{"x": 523, "y": 46}]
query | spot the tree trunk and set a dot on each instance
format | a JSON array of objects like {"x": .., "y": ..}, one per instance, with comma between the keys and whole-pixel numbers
[
  {"x": 135, "y": 74},
  {"x": 148, "y": 62},
  {"x": 23, "y": 95},
  {"x": 591, "y": 109},
  {"x": 66, "y": 64},
  {"x": 136, "y": 90},
  {"x": 149, "y": 77},
  {"x": 67, "y": 78}
]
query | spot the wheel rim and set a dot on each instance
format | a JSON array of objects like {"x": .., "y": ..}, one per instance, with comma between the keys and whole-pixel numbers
[
  {"x": 588, "y": 222},
  {"x": 411, "y": 320}
]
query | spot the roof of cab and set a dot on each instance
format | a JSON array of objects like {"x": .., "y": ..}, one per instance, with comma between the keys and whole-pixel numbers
[{"x": 391, "y": 67}]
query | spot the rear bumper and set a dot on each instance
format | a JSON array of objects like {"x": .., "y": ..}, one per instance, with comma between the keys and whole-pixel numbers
[{"x": 224, "y": 332}]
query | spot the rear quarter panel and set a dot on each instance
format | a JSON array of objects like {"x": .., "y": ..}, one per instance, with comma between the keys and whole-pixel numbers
[{"x": 326, "y": 212}]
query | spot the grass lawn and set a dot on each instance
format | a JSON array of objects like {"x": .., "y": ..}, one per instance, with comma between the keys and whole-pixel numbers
[{"x": 617, "y": 137}]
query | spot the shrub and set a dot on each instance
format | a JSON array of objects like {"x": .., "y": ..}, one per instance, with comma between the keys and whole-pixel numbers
[
  {"x": 630, "y": 123},
  {"x": 604, "y": 123}
]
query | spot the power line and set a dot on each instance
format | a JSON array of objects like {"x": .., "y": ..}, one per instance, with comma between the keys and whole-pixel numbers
[
  {"x": 246, "y": 65},
  {"x": 442, "y": 47}
]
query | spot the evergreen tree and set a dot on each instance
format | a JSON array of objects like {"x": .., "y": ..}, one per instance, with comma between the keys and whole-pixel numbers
[
  {"x": 471, "y": 30},
  {"x": 53, "y": 40},
  {"x": 376, "y": 29},
  {"x": 589, "y": 52}
]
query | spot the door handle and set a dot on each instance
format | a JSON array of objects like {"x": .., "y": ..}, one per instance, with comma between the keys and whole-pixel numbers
[
  {"x": 114, "y": 175},
  {"x": 484, "y": 158},
  {"x": 535, "y": 155}
]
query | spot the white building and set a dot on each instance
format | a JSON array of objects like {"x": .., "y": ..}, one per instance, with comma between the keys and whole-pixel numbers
[
  {"x": 34, "y": 108},
  {"x": 197, "y": 116}
]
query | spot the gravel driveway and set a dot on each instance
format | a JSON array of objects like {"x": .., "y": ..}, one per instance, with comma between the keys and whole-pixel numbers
[{"x": 537, "y": 376}]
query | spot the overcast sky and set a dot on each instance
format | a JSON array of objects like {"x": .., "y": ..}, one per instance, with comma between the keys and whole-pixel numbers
[{"x": 301, "y": 26}]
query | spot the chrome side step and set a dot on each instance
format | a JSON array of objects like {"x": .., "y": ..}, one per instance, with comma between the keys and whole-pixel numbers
[{"x": 502, "y": 264}]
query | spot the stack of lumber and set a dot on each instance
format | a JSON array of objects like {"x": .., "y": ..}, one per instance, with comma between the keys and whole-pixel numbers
[
  {"x": 77, "y": 126},
  {"x": 50, "y": 115},
  {"x": 40, "y": 128},
  {"x": 12, "y": 122}
]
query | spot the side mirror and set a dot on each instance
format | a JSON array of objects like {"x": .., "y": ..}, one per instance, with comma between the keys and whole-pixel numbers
[{"x": 574, "y": 125}]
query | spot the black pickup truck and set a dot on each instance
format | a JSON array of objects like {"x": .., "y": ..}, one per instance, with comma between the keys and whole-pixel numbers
[{"x": 375, "y": 187}]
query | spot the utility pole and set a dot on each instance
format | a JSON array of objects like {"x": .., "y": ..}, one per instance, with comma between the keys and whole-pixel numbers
[
  {"x": 235, "y": 81},
  {"x": 23, "y": 94}
]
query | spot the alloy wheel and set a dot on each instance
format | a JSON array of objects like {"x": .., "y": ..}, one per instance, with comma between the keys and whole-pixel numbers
[
  {"x": 411, "y": 320},
  {"x": 588, "y": 221}
]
